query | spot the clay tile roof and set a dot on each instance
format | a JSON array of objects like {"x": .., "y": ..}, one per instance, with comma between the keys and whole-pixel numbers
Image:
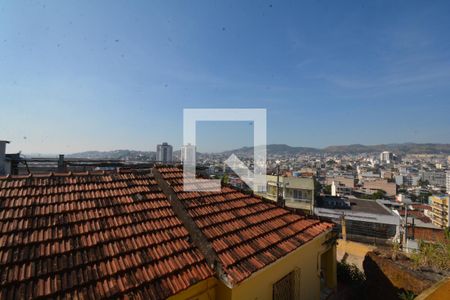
[
  {"x": 93, "y": 235},
  {"x": 247, "y": 233}
]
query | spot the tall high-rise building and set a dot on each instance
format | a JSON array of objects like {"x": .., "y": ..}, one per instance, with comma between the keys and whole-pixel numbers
[
  {"x": 3, "y": 168},
  {"x": 164, "y": 153},
  {"x": 188, "y": 153},
  {"x": 386, "y": 157}
]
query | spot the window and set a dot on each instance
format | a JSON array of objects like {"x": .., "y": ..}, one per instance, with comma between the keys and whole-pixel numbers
[
  {"x": 301, "y": 194},
  {"x": 298, "y": 194},
  {"x": 288, "y": 287}
]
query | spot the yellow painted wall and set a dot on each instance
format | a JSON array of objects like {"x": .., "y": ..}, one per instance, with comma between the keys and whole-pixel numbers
[
  {"x": 203, "y": 290},
  {"x": 308, "y": 258},
  {"x": 438, "y": 291},
  {"x": 355, "y": 252}
]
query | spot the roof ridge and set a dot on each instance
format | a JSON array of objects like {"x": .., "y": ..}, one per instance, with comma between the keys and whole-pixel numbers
[
  {"x": 198, "y": 238},
  {"x": 73, "y": 174}
]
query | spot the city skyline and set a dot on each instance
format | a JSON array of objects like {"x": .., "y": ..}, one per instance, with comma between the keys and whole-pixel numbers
[
  {"x": 224, "y": 149},
  {"x": 82, "y": 77}
]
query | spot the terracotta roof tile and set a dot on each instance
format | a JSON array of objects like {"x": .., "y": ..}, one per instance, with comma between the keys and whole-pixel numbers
[
  {"x": 93, "y": 235},
  {"x": 246, "y": 233}
]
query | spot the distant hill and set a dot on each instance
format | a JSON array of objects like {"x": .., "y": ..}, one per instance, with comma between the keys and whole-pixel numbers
[
  {"x": 407, "y": 148},
  {"x": 279, "y": 149},
  {"x": 131, "y": 155}
]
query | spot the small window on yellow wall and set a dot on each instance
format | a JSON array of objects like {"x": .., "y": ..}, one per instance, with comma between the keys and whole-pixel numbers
[{"x": 288, "y": 287}]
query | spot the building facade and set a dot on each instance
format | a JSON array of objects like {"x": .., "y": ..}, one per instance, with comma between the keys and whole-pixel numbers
[
  {"x": 346, "y": 180},
  {"x": 386, "y": 157},
  {"x": 436, "y": 178},
  {"x": 447, "y": 181},
  {"x": 188, "y": 153},
  {"x": 339, "y": 189},
  {"x": 297, "y": 192},
  {"x": 381, "y": 184},
  {"x": 440, "y": 210},
  {"x": 164, "y": 153}
]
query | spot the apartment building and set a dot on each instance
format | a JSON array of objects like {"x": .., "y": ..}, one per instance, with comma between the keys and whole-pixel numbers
[
  {"x": 164, "y": 153},
  {"x": 297, "y": 192},
  {"x": 436, "y": 178},
  {"x": 386, "y": 157},
  {"x": 440, "y": 210}
]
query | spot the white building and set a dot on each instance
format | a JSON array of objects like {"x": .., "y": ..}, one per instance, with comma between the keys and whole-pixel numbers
[
  {"x": 339, "y": 189},
  {"x": 164, "y": 153},
  {"x": 386, "y": 157},
  {"x": 402, "y": 198},
  {"x": 188, "y": 153}
]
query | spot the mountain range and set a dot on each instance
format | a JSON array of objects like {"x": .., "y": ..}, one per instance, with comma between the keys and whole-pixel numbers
[{"x": 283, "y": 149}]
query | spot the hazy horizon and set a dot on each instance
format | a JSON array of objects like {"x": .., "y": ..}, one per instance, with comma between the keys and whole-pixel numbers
[
  {"x": 78, "y": 76},
  {"x": 208, "y": 152}
]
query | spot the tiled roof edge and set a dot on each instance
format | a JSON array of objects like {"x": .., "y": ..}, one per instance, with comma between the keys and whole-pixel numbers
[{"x": 196, "y": 235}]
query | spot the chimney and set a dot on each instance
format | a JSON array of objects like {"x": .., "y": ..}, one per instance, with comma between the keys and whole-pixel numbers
[
  {"x": 61, "y": 164},
  {"x": 3, "y": 157}
]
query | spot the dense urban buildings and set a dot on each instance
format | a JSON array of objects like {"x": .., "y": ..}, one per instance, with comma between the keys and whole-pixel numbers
[{"x": 360, "y": 198}]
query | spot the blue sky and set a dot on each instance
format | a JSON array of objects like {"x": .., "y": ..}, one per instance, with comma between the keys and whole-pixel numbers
[{"x": 103, "y": 75}]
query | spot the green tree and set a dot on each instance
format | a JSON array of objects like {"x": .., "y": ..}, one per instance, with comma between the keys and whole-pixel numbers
[
  {"x": 331, "y": 162},
  {"x": 327, "y": 189},
  {"x": 378, "y": 195},
  {"x": 433, "y": 255},
  {"x": 317, "y": 187},
  {"x": 423, "y": 197},
  {"x": 423, "y": 183},
  {"x": 225, "y": 179}
]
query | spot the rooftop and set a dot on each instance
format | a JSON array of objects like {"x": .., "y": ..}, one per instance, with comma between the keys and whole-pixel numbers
[
  {"x": 93, "y": 234},
  {"x": 368, "y": 206},
  {"x": 246, "y": 232},
  {"x": 110, "y": 234}
]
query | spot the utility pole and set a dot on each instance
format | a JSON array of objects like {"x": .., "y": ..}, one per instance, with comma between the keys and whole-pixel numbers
[
  {"x": 405, "y": 230},
  {"x": 343, "y": 227}
]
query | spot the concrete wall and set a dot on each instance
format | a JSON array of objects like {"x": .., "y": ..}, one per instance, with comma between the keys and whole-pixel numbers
[
  {"x": 381, "y": 184},
  {"x": 347, "y": 181}
]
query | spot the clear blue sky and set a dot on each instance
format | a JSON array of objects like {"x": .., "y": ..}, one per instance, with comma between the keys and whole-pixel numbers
[{"x": 103, "y": 75}]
